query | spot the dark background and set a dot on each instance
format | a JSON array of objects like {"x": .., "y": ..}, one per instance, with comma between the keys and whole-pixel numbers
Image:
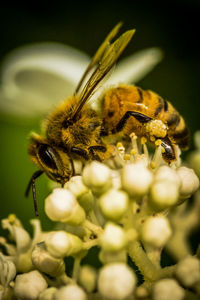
[{"x": 171, "y": 25}]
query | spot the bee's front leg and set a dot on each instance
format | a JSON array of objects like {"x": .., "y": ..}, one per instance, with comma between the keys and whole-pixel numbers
[
  {"x": 80, "y": 152},
  {"x": 93, "y": 149}
]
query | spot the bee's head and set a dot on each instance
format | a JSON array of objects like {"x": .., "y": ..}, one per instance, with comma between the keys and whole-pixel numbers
[{"x": 51, "y": 160}]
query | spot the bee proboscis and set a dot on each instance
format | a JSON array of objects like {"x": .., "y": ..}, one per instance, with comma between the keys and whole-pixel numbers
[{"x": 76, "y": 131}]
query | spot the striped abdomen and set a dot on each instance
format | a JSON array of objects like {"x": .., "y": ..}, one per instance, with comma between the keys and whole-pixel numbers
[
  {"x": 117, "y": 101},
  {"x": 178, "y": 130}
]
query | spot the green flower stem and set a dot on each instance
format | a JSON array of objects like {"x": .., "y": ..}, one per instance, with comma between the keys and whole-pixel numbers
[
  {"x": 183, "y": 222},
  {"x": 144, "y": 264},
  {"x": 93, "y": 217},
  {"x": 97, "y": 230},
  {"x": 166, "y": 272},
  {"x": 76, "y": 268},
  {"x": 150, "y": 271},
  {"x": 90, "y": 243},
  {"x": 183, "y": 248},
  {"x": 64, "y": 279},
  {"x": 153, "y": 254}
]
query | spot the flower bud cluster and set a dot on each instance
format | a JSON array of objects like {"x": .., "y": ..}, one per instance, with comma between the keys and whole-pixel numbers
[{"x": 126, "y": 211}]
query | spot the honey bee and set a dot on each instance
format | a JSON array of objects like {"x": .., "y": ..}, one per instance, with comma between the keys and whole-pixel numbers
[{"x": 76, "y": 131}]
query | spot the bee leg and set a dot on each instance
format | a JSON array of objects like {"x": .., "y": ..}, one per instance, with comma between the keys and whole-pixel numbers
[
  {"x": 72, "y": 165},
  {"x": 80, "y": 152},
  {"x": 169, "y": 154},
  {"x": 99, "y": 148},
  {"x": 137, "y": 115},
  {"x": 32, "y": 184}
]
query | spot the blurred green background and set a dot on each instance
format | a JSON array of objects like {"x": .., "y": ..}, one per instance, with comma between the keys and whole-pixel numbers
[{"x": 171, "y": 25}]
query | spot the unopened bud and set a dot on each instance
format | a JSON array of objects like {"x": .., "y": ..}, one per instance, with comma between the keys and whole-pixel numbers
[
  {"x": 61, "y": 244},
  {"x": 113, "y": 238},
  {"x": 76, "y": 186},
  {"x": 156, "y": 231},
  {"x": 167, "y": 289},
  {"x": 136, "y": 179},
  {"x": 29, "y": 285},
  {"x": 47, "y": 263},
  {"x": 163, "y": 194},
  {"x": 188, "y": 271},
  {"x": 97, "y": 176},
  {"x": 189, "y": 182},
  {"x": 166, "y": 173},
  {"x": 87, "y": 278},
  {"x": 70, "y": 292},
  {"x": 61, "y": 205},
  {"x": 114, "y": 204},
  {"x": 116, "y": 281}
]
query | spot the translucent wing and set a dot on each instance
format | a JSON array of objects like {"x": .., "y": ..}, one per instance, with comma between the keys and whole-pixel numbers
[
  {"x": 97, "y": 56},
  {"x": 105, "y": 64},
  {"x": 129, "y": 70}
]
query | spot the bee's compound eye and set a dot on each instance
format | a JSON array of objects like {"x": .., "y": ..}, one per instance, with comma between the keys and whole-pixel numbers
[{"x": 47, "y": 156}]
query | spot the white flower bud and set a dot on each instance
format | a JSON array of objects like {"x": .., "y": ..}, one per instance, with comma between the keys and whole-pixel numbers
[
  {"x": 29, "y": 285},
  {"x": 189, "y": 182},
  {"x": 61, "y": 205},
  {"x": 188, "y": 271},
  {"x": 166, "y": 173},
  {"x": 163, "y": 194},
  {"x": 114, "y": 204},
  {"x": 167, "y": 289},
  {"x": 136, "y": 178},
  {"x": 48, "y": 294},
  {"x": 156, "y": 231},
  {"x": 87, "y": 278},
  {"x": 97, "y": 176},
  {"x": 70, "y": 292},
  {"x": 7, "y": 270},
  {"x": 113, "y": 238},
  {"x": 116, "y": 281},
  {"x": 61, "y": 243},
  {"x": 76, "y": 186},
  {"x": 46, "y": 263}
]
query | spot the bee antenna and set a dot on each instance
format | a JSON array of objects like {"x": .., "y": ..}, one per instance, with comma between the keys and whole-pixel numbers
[{"x": 31, "y": 184}]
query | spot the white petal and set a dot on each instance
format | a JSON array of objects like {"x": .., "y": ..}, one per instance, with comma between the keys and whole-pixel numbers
[
  {"x": 135, "y": 67},
  {"x": 36, "y": 77}
]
